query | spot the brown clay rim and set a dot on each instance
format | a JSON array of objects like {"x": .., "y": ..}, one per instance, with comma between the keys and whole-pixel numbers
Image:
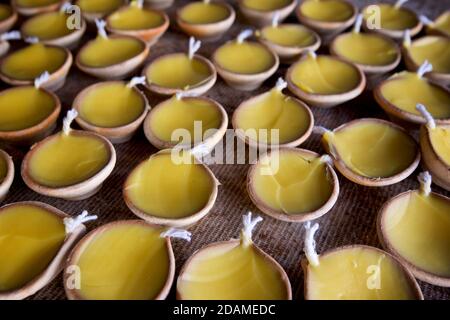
[
  {"x": 325, "y": 97},
  {"x": 292, "y": 3},
  {"x": 251, "y": 142},
  {"x": 82, "y": 66},
  {"x": 296, "y": 217},
  {"x": 45, "y": 123},
  {"x": 155, "y": 30},
  {"x": 248, "y": 76},
  {"x": 169, "y": 91},
  {"x": 416, "y": 291},
  {"x": 399, "y": 33},
  {"x": 370, "y": 181},
  {"x": 314, "y": 46},
  {"x": 8, "y": 179},
  {"x": 78, "y": 250},
  {"x": 420, "y": 273},
  {"x": 234, "y": 243},
  {"x": 169, "y": 144},
  {"x": 184, "y": 221},
  {"x": 327, "y": 25},
  {"x": 60, "y": 72},
  {"x": 231, "y": 15},
  {"x": 99, "y": 13},
  {"x": 32, "y": 10},
  {"x": 92, "y": 127},
  {"x": 9, "y": 21},
  {"x": 428, "y": 137},
  {"x": 370, "y": 68},
  {"x": 74, "y": 187},
  {"x": 403, "y": 114}
]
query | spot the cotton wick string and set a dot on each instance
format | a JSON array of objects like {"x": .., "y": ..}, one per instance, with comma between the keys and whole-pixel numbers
[
  {"x": 407, "y": 38},
  {"x": 43, "y": 78},
  {"x": 310, "y": 244},
  {"x": 32, "y": 40},
  {"x": 249, "y": 224},
  {"x": 138, "y": 3},
  {"x": 199, "y": 151},
  {"x": 281, "y": 84},
  {"x": 276, "y": 19},
  {"x": 136, "y": 81},
  {"x": 11, "y": 35},
  {"x": 66, "y": 7},
  {"x": 424, "y": 19},
  {"x": 321, "y": 130},
  {"x": 245, "y": 34},
  {"x": 194, "y": 46},
  {"x": 72, "y": 223},
  {"x": 177, "y": 233},
  {"x": 428, "y": 117},
  {"x": 358, "y": 23},
  {"x": 101, "y": 24},
  {"x": 425, "y": 180},
  {"x": 311, "y": 54},
  {"x": 424, "y": 68},
  {"x": 71, "y": 115},
  {"x": 326, "y": 158},
  {"x": 400, "y": 3}
]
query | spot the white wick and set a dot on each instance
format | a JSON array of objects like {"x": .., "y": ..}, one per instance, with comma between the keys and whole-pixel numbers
[
  {"x": 43, "y": 78},
  {"x": 281, "y": 84},
  {"x": 32, "y": 40},
  {"x": 177, "y": 233},
  {"x": 424, "y": 68},
  {"x": 424, "y": 19},
  {"x": 427, "y": 115},
  {"x": 310, "y": 244},
  {"x": 199, "y": 151},
  {"x": 66, "y": 7},
  {"x": 101, "y": 24},
  {"x": 399, "y": 3},
  {"x": 276, "y": 19},
  {"x": 71, "y": 115},
  {"x": 425, "y": 180},
  {"x": 326, "y": 158},
  {"x": 194, "y": 46},
  {"x": 184, "y": 94},
  {"x": 138, "y": 3},
  {"x": 311, "y": 54},
  {"x": 249, "y": 225},
  {"x": 244, "y": 35},
  {"x": 407, "y": 38},
  {"x": 11, "y": 35},
  {"x": 358, "y": 23},
  {"x": 72, "y": 223},
  {"x": 320, "y": 130},
  {"x": 206, "y": 1},
  {"x": 135, "y": 81}
]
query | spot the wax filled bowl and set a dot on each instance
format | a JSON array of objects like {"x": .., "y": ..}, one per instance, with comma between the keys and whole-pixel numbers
[
  {"x": 31, "y": 10},
  {"x": 261, "y": 18},
  {"x": 8, "y": 176},
  {"x": 94, "y": 13}
]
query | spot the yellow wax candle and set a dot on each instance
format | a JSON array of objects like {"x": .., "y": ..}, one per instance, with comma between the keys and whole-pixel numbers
[
  {"x": 324, "y": 75},
  {"x": 442, "y": 23},
  {"x": 35, "y": 3},
  {"x": 31, "y": 107},
  {"x": 406, "y": 89},
  {"x": 178, "y": 71},
  {"x": 3, "y": 169},
  {"x": 111, "y": 104},
  {"x": 182, "y": 113},
  {"x": 357, "y": 273},
  {"x": 67, "y": 159},
  {"x": 373, "y": 149},
  {"x": 366, "y": 48},
  {"x": 326, "y": 10},
  {"x": 434, "y": 49},
  {"x": 440, "y": 141},
  {"x": 204, "y": 13},
  {"x": 127, "y": 261},
  {"x": 30, "y": 62},
  {"x": 273, "y": 111},
  {"x": 393, "y": 18},
  {"x": 104, "y": 52},
  {"x": 245, "y": 58},
  {"x": 5, "y": 12},
  {"x": 418, "y": 228},
  {"x": 99, "y": 6},
  {"x": 266, "y": 5},
  {"x": 135, "y": 18},
  {"x": 30, "y": 237},
  {"x": 288, "y": 35},
  {"x": 47, "y": 26},
  {"x": 292, "y": 183},
  {"x": 164, "y": 188}
]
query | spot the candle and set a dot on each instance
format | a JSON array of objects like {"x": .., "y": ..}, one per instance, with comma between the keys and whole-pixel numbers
[
  {"x": 289, "y": 35},
  {"x": 99, "y": 6},
  {"x": 265, "y": 5},
  {"x": 204, "y": 12},
  {"x": 47, "y": 26},
  {"x": 5, "y": 12},
  {"x": 326, "y": 10},
  {"x": 233, "y": 270},
  {"x": 133, "y": 17},
  {"x": 434, "y": 49},
  {"x": 35, "y": 3},
  {"x": 394, "y": 17}
]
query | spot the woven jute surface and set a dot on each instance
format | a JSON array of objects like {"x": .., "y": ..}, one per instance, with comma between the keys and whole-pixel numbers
[{"x": 351, "y": 221}]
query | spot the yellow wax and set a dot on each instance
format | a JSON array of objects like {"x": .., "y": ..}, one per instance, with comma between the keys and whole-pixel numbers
[
  {"x": 30, "y": 237},
  {"x": 46, "y": 26},
  {"x": 326, "y": 10},
  {"x": 203, "y": 13},
  {"x": 324, "y": 75},
  {"x": 135, "y": 18},
  {"x": 176, "y": 114},
  {"x": 124, "y": 262},
  {"x": 373, "y": 149},
  {"x": 99, "y": 5},
  {"x": 292, "y": 183},
  {"x": 178, "y": 71},
  {"x": 273, "y": 111},
  {"x": 440, "y": 141},
  {"x": 442, "y": 23},
  {"x": 230, "y": 272},
  {"x": 288, "y": 35},
  {"x": 30, "y": 62},
  {"x": 65, "y": 160},
  {"x": 266, "y": 5},
  {"x": 35, "y": 3},
  {"x": 3, "y": 169},
  {"x": 246, "y": 57},
  {"x": 357, "y": 274},
  {"x": 31, "y": 107},
  {"x": 111, "y": 105},
  {"x": 393, "y": 18},
  {"x": 366, "y": 48},
  {"x": 103, "y": 52},
  {"x": 168, "y": 189},
  {"x": 407, "y": 89},
  {"x": 434, "y": 49},
  {"x": 418, "y": 228},
  {"x": 5, "y": 11}
]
